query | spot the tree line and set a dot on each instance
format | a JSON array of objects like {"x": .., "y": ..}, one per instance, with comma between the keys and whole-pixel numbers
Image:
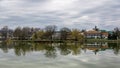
[
  {"x": 50, "y": 32},
  {"x": 115, "y": 34}
]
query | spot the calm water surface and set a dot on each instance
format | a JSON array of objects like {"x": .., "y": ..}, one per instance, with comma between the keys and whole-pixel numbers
[{"x": 60, "y": 55}]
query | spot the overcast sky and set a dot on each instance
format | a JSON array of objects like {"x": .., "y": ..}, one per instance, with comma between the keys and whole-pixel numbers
[{"x": 83, "y": 14}]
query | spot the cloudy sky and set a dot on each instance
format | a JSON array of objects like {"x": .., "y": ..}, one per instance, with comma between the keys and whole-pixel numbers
[{"x": 83, "y": 14}]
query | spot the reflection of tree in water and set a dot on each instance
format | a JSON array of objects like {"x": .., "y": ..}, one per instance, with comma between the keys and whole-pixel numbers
[
  {"x": 67, "y": 48},
  {"x": 115, "y": 47},
  {"x": 95, "y": 51},
  {"x": 63, "y": 47},
  {"x": 5, "y": 47},
  {"x": 37, "y": 46},
  {"x": 50, "y": 51},
  {"x": 21, "y": 48},
  {"x": 75, "y": 48}
]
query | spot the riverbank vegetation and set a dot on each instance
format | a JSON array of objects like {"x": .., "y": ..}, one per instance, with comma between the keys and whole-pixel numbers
[{"x": 51, "y": 33}]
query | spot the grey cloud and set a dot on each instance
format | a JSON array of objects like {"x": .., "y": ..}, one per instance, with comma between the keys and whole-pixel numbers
[
  {"x": 40, "y": 12},
  {"x": 106, "y": 13},
  {"x": 32, "y": 20},
  {"x": 36, "y": 0}
]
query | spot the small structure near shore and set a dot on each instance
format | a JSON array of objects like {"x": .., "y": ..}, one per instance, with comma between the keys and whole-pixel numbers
[{"x": 95, "y": 33}]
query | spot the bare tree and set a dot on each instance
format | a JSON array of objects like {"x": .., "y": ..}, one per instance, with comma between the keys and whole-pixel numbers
[
  {"x": 64, "y": 32},
  {"x": 26, "y": 33},
  {"x": 17, "y": 33},
  {"x": 117, "y": 32},
  {"x": 4, "y": 32},
  {"x": 49, "y": 31}
]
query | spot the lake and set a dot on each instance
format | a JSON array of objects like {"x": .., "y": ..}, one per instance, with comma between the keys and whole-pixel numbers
[{"x": 60, "y": 55}]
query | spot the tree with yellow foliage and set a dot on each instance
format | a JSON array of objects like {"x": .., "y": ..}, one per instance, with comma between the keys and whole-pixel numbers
[
  {"x": 38, "y": 35},
  {"x": 76, "y": 35}
]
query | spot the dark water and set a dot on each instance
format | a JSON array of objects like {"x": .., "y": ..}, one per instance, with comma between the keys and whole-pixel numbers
[{"x": 60, "y": 55}]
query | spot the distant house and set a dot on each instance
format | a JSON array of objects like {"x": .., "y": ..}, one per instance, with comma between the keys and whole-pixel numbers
[
  {"x": 96, "y": 33},
  {"x": 92, "y": 34},
  {"x": 104, "y": 35}
]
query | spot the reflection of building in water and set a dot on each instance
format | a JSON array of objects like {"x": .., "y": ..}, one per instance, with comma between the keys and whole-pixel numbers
[{"x": 96, "y": 46}]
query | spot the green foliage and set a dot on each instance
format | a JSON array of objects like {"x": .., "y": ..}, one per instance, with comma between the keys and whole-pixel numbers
[
  {"x": 76, "y": 35},
  {"x": 38, "y": 35}
]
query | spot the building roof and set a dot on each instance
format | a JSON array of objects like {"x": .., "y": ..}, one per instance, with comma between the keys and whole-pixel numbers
[
  {"x": 92, "y": 32},
  {"x": 105, "y": 33}
]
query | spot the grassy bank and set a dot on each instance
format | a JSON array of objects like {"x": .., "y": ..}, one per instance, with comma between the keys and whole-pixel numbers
[
  {"x": 102, "y": 40},
  {"x": 67, "y": 41},
  {"x": 49, "y": 41},
  {"x": 42, "y": 41}
]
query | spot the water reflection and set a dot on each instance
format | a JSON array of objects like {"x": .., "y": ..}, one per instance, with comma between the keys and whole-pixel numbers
[{"x": 51, "y": 50}]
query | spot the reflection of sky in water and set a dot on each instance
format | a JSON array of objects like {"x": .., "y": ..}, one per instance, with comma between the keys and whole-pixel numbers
[{"x": 103, "y": 59}]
